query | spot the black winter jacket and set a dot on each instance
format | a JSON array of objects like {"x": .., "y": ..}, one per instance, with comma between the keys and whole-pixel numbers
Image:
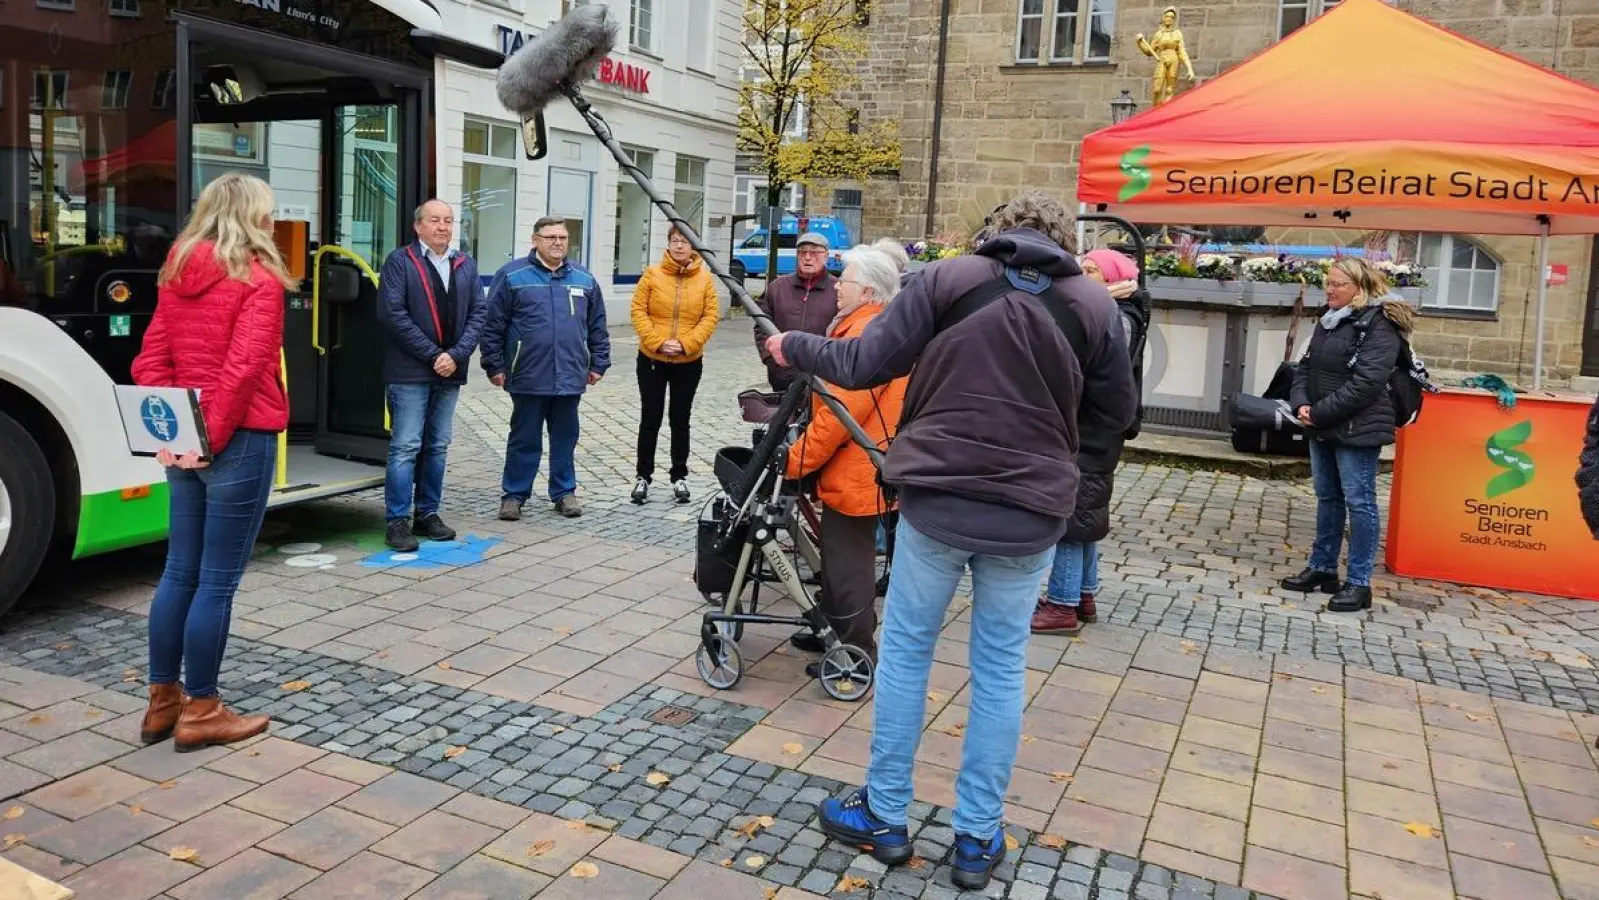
[
  {"x": 1349, "y": 405},
  {"x": 1588, "y": 473},
  {"x": 1096, "y": 467}
]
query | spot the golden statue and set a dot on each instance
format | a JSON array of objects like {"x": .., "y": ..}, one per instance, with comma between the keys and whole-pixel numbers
[{"x": 1167, "y": 49}]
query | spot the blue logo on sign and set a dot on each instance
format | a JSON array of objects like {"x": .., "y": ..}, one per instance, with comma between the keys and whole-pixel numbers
[{"x": 159, "y": 419}]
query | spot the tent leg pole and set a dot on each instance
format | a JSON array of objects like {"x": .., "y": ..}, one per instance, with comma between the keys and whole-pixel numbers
[
  {"x": 1543, "y": 299},
  {"x": 1082, "y": 230}
]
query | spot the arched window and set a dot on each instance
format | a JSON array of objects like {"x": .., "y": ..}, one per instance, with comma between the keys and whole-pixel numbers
[{"x": 1460, "y": 274}]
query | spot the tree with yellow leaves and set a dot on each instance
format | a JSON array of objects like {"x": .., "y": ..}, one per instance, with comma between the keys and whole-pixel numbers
[{"x": 804, "y": 55}]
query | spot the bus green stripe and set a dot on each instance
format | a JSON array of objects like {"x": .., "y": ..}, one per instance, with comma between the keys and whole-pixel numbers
[{"x": 107, "y": 522}]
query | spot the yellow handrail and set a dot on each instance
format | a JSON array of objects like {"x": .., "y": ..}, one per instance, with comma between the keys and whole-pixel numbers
[
  {"x": 316, "y": 287},
  {"x": 283, "y": 436}
]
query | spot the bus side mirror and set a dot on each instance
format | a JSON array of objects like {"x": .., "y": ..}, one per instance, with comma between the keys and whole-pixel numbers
[{"x": 535, "y": 141}]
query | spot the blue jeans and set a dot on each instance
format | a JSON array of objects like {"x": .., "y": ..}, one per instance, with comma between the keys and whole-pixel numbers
[
  {"x": 1074, "y": 572},
  {"x": 1004, "y": 589},
  {"x": 216, "y": 513},
  {"x": 529, "y": 415},
  {"x": 1345, "y": 479},
  {"x": 422, "y": 420}
]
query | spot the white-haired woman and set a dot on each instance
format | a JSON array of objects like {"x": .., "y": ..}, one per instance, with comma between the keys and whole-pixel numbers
[
  {"x": 852, "y": 501},
  {"x": 218, "y": 327}
]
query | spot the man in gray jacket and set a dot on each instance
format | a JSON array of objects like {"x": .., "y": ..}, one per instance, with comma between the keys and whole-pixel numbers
[{"x": 1019, "y": 364}]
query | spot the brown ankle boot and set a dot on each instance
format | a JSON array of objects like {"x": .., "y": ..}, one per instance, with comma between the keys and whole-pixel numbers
[
  {"x": 166, "y": 700},
  {"x": 206, "y": 722}
]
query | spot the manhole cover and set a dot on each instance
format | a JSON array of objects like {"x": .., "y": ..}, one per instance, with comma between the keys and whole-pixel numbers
[{"x": 675, "y": 716}]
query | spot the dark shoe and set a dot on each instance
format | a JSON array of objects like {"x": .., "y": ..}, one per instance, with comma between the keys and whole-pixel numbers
[
  {"x": 432, "y": 528},
  {"x": 205, "y": 722},
  {"x": 680, "y": 491},
  {"x": 641, "y": 491},
  {"x": 1350, "y": 598},
  {"x": 1311, "y": 580},
  {"x": 974, "y": 860},
  {"x": 807, "y": 641},
  {"x": 166, "y": 702},
  {"x": 510, "y": 509},
  {"x": 851, "y": 821},
  {"x": 1086, "y": 610},
  {"x": 400, "y": 538},
  {"x": 1053, "y": 618},
  {"x": 882, "y": 585},
  {"x": 813, "y": 670},
  {"x": 569, "y": 506}
]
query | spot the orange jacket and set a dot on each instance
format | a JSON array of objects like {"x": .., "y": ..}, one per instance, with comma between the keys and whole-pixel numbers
[
  {"x": 673, "y": 302},
  {"x": 848, "y": 481}
]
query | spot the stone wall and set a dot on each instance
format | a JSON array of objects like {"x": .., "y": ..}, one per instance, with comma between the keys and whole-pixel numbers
[{"x": 1006, "y": 127}]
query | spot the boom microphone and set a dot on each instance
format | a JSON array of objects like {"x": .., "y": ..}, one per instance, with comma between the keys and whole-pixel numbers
[{"x": 568, "y": 51}]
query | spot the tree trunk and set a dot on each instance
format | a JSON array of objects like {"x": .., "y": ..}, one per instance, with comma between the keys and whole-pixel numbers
[{"x": 774, "y": 195}]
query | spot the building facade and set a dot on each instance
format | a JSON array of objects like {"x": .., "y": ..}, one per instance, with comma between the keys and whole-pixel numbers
[
  {"x": 670, "y": 94},
  {"x": 1025, "y": 80}
]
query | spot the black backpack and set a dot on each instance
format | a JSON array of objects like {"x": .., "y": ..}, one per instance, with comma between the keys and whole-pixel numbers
[{"x": 1409, "y": 384}]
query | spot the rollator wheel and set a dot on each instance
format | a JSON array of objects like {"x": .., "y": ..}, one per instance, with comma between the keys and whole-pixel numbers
[
  {"x": 846, "y": 673},
  {"x": 733, "y": 631},
  {"x": 718, "y": 661}
]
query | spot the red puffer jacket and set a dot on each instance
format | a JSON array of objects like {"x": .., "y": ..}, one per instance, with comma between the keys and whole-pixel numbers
[{"x": 223, "y": 337}]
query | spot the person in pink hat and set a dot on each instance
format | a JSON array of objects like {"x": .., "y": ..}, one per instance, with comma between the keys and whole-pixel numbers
[{"x": 1068, "y": 600}]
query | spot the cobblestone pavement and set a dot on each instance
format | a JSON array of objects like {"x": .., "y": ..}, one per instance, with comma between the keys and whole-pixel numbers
[{"x": 524, "y": 718}]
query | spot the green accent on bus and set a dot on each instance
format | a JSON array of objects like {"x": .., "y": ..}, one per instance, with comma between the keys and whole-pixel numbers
[{"x": 107, "y": 522}]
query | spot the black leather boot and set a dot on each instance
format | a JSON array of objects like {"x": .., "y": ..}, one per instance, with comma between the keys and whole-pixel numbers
[
  {"x": 1311, "y": 580},
  {"x": 1350, "y": 598}
]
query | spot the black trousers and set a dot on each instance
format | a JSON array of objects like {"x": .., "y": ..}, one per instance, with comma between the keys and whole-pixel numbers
[
  {"x": 654, "y": 378},
  {"x": 849, "y": 577}
]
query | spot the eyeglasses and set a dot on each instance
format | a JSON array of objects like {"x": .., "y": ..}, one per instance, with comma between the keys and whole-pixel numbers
[
  {"x": 553, "y": 238},
  {"x": 812, "y": 251}
]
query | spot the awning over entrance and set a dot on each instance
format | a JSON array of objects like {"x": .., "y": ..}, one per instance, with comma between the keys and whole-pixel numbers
[
  {"x": 1368, "y": 118},
  {"x": 419, "y": 13}
]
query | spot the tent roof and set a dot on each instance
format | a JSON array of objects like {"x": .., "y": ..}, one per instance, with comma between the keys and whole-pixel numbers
[{"x": 1367, "y": 117}]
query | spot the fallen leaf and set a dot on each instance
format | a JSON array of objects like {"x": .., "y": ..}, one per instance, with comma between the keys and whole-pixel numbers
[
  {"x": 136, "y": 810},
  {"x": 849, "y": 884},
  {"x": 1390, "y": 765},
  {"x": 130, "y": 676},
  {"x": 14, "y": 839},
  {"x": 446, "y": 665},
  {"x": 753, "y": 826},
  {"x": 755, "y": 862},
  {"x": 614, "y": 767},
  {"x": 557, "y": 729},
  {"x": 1421, "y": 829},
  {"x": 935, "y": 697},
  {"x": 793, "y": 748},
  {"x": 453, "y": 752},
  {"x": 1472, "y": 718},
  {"x": 1061, "y": 777},
  {"x": 727, "y": 864},
  {"x": 1318, "y": 690},
  {"x": 383, "y": 654},
  {"x": 252, "y": 753},
  {"x": 1052, "y": 841},
  {"x": 769, "y": 894},
  {"x": 169, "y": 785},
  {"x": 293, "y": 686},
  {"x": 576, "y": 824},
  {"x": 657, "y": 779},
  {"x": 1588, "y": 841},
  {"x": 916, "y": 863},
  {"x": 184, "y": 854},
  {"x": 92, "y": 713},
  {"x": 36, "y": 719},
  {"x": 541, "y": 848},
  {"x": 844, "y": 686},
  {"x": 1189, "y": 647},
  {"x": 1010, "y": 842},
  {"x": 63, "y": 646},
  {"x": 585, "y": 870},
  {"x": 1028, "y": 739},
  {"x": 15, "y": 812},
  {"x": 564, "y": 630}
]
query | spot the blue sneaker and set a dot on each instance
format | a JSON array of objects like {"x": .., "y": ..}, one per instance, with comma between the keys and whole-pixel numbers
[
  {"x": 851, "y": 821},
  {"x": 975, "y": 860}
]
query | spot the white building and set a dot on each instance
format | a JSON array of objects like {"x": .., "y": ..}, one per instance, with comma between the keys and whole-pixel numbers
[{"x": 670, "y": 95}]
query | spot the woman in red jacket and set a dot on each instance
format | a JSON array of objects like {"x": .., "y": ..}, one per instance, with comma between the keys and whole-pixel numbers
[{"x": 218, "y": 328}]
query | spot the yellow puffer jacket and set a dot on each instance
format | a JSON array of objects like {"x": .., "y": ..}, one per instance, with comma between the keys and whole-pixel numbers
[{"x": 678, "y": 303}]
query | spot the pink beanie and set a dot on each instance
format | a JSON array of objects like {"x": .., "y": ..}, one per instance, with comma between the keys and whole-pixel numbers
[{"x": 1115, "y": 266}]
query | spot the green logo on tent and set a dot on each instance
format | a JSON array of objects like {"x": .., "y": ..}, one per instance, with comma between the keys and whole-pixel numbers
[
  {"x": 1138, "y": 177},
  {"x": 1517, "y": 465}
]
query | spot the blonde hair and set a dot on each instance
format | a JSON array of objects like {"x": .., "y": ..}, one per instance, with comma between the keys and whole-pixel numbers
[
  {"x": 1370, "y": 283},
  {"x": 229, "y": 215}
]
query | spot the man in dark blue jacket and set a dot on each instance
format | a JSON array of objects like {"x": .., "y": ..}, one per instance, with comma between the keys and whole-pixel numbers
[
  {"x": 545, "y": 342},
  {"x": 431, "y": 302}
]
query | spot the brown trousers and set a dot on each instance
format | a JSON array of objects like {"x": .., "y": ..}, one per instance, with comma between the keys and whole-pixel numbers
[{"x": 849, "y": 577}]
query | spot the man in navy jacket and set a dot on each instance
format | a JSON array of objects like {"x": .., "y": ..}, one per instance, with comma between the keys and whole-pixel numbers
[
  {"x": 431, "y": 302},
  {"x": 545, "y": 342}
]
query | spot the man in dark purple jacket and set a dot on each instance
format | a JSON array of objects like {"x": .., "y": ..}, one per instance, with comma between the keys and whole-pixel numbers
[
  {"x": 998, "y": 406},
  {"x": 806, "y": 300}
]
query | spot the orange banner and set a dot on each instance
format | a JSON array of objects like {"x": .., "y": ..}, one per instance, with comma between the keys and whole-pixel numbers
[{"x": 1486, "y": 496}]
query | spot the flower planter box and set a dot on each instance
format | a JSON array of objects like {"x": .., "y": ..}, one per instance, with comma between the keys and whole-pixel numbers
[
  {"x": 1267, "y": 293},
  {"x": 916, "y": 265},
  {"x": 1199, "y": 290},
  {"x": 1412, "y": 295}
]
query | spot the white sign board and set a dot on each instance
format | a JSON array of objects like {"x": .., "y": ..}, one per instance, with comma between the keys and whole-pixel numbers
[{"x": 162, "y": 418}]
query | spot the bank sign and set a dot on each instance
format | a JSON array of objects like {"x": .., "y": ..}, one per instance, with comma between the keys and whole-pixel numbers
[{"x": 627, "y": 76}]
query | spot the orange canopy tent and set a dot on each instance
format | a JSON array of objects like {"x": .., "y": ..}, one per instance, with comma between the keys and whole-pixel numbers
[{"x": 1367, "y": 118}]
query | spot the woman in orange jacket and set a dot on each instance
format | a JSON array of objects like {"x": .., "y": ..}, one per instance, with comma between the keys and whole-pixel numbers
[
  {"x": 852, "y": 500},
  {"x": 675, "y": 308}
]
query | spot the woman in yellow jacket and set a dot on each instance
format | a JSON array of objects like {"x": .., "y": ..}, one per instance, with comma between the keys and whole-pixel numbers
[
  {"x": 852, "y": 501},
  {"x": 675, "y": 309}
]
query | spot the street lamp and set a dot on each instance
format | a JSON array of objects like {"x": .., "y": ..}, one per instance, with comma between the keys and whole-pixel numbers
[{"x": 1122, "y": 108}]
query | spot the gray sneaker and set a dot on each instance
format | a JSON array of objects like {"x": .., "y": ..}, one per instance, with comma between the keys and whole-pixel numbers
[
  {"x": 510, "y": 510},
  {"x": 569, "y": 506}
]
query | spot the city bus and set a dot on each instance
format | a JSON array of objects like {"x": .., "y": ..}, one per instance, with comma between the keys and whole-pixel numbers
[{"x": 113, "y": 115}]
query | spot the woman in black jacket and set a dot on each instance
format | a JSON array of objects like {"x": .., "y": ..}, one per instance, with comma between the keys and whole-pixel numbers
[
  {"x": 1340, "y": 394},
  {"x": 1588, "y": 473}
]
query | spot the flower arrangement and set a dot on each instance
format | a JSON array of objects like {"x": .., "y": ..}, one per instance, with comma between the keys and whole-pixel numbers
[
  {"x": 942, "y": 246},
  {"x": 1403, "y": 274},
  {"x": 1279, "y": 269}
]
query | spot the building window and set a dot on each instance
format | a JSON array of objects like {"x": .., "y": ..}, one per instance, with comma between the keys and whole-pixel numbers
[
  {"x": 49, "y": 89},
  {"x": 702, "y": 37},
  {"x": 64, "y": 5},
  {"x": 689, "y": 195},
  {"x": 633, "y": 208},
  {"x": 114, "y": 92},
  {"x": 1293, "y": 14},
  {"x": 848, "y": 208},
  {"x": 1461, "y": 276},
  {"x": 641, "y": 30},
  {"x": 488, "y": 192},
  {"x": 1064, "y": 31},
  {"x": 123, "y": 8},
  {"x": 161, "y": 95}
]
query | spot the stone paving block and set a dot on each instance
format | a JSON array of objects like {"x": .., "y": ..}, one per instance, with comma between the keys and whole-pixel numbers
[
  {"x": 265, "y": 760},
  {"x": 295, "y": 796},
  {"x": 1504, "y": 810},
  {"x": 1382, "y": 836},
  {"x": 1298, "y": 836},
  {"x": 609, "y": 881},
  {"x": 137, "y": 873},
  {"x": 216, "y": 836},
  {"x": 482, "y": 878},
  {"x": 1383, "y": 877},
  {"x": 437, "y": 841},
  {"x": 45, "y": 865},
  {"x": 398, "y": 798},
  {"x": 546, "y": 844},
  {"x": 1281, "y": 875},
  {"x": 187, "y": 796},
  {"x": 1212, "y": 762},
  {"x": 1201, "y": 832},
  {"x": 366, "y": 876},
  {"x": 87, "y": 792},
  {"x": 327, "y": 839},
  {"x": 15, "y": 779},
  {"x": 75, "y": 752},
  {"x": 99, "y": 835},
  {"x": 54, "y": 721}
]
